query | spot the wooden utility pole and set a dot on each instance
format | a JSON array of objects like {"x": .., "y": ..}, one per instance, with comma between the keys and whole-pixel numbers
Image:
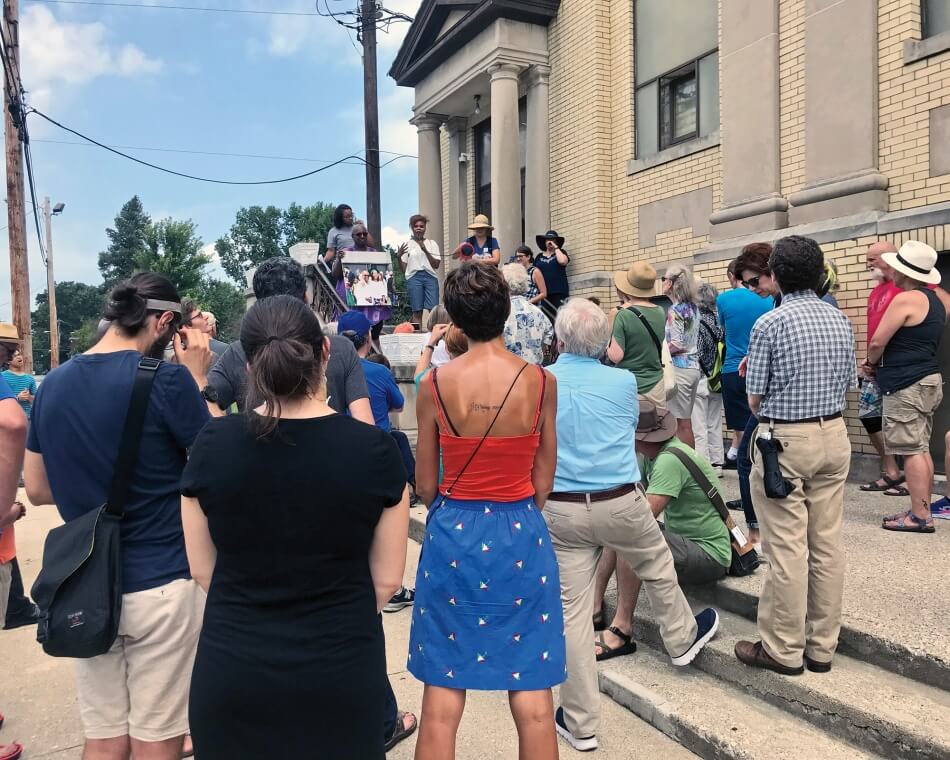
[
  {"x": 51, "y": 288},
  {"x": 368, "y": 13},
  {"x": 16, "y": 207}
]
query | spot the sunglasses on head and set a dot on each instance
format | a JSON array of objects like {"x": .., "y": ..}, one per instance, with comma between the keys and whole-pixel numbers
[{"x": 752, "y": 282}]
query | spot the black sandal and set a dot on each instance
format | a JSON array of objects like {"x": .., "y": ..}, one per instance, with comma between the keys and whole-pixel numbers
[
  {"x": 889, "y": 483},
  {"x": 600, "y": 621},
  {"x": 400, "y": 732},
  {"x": 629, "y": 646}
]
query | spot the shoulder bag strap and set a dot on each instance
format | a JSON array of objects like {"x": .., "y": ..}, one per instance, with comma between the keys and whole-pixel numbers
[
  {"x": 448, "y": 491},
  {"x": 131, "y": 435},
  {"x": 656, "y": 340},
  {"x": 712, "y": 493}
]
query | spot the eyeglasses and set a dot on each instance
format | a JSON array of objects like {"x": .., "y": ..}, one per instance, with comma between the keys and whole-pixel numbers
[{"x": 752, "y": 282}]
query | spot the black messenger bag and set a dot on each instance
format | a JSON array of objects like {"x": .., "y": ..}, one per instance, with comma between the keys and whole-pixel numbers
[{"x": 79, "y": 588}]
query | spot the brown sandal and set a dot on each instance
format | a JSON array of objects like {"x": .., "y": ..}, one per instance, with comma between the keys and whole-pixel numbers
[{"x": 629, "y": 646}]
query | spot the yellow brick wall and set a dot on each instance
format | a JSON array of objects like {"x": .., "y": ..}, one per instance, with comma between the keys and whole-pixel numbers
[
  {"x": 907, "y": 93},
  {"x": 791, "y": 68},
  {"x": 583, "y": 155}
]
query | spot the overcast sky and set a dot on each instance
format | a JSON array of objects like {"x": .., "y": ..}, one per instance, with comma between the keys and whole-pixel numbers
[{"x": 277, "y": 86}]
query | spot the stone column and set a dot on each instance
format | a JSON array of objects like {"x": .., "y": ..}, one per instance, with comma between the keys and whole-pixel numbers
[
  {"x": 749, "y": 90},
  {"x": 505, "y": 157},
  {"x": 430, "y": 174},
  {"x": 841, "y": 113},
  {"x": 538, "y": 159},
  {"x": 456, "y": 225}
]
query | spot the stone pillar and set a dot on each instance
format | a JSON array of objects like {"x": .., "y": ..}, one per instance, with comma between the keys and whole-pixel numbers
[
  {"x": 749, "y": 91},
  {"x": 505, "y": 157},
  {"x": 430, "y": 174},
  {"x": 537, "y": 190},
  {"x": 841, "y": 113},
  {"x": 456, "y": 225}
]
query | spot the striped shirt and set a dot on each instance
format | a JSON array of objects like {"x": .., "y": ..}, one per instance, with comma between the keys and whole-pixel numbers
[
  {"x": 801, "y": 359},
  {"x": 20, "y": 383}
]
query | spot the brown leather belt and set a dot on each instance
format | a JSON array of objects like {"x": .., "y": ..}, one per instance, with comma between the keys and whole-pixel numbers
[{"x": 583, "y": 498}]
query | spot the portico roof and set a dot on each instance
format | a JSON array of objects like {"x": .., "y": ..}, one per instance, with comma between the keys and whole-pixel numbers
[{"x": 428, "y": 44}]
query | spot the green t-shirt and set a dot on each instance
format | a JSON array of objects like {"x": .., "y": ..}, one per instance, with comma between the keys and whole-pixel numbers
[
  {"x": 689, "y": 514},
  {"x": 639, "y": 351}
]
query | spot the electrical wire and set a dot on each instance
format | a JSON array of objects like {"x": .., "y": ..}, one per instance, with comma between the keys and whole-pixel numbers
[
  {"x": 88, "y": 139},
  {"x": 196, "y": 8}
]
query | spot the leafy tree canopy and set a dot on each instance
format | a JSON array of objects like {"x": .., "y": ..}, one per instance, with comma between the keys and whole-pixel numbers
[
  {"x": 127, "y": 243},
  {"x": 76, "y": 304}
]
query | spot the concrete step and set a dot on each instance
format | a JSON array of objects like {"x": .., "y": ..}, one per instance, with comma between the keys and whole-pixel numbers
[
  {"x": 859, "y": 638},
  {"x": 873, "y": 709},
  {"x": 711, "y": 718}
]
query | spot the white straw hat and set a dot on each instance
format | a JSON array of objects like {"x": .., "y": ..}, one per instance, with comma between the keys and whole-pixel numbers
[{"x": 916, "y": 260}]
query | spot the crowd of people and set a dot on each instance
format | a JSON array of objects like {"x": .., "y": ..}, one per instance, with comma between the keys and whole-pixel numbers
[{"x": 267, "y": 519}]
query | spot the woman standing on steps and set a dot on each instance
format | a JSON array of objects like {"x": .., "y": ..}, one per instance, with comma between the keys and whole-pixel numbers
[{"x": 488, "y": 609}]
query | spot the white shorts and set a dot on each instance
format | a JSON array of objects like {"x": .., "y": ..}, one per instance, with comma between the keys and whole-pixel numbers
[{"x": 140, "y": 686}]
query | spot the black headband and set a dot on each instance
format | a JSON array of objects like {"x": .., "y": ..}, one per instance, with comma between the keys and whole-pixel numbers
[{"x": 907, "y": 264}]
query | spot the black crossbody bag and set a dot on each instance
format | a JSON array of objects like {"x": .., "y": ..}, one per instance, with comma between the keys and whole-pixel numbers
[
  {"x": 79, "y": 588},
  {"x": 745, "y": 559}
]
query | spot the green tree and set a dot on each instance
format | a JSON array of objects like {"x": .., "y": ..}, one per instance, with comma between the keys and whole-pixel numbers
[
  {"x": 225, "y": 301},
  {"x": 401, "y": 311},
  {"x": 308, "y": 223},
  {"x": 127, "y": 243},
  {"x": 256, "y": 235},
  {"x": 76, "y": 304},
  {"x": 174, "y": 249}
]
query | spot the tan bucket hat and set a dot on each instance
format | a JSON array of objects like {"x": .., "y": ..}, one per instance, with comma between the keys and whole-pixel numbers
[
  {"x": 481, "y": 223},
  {"x": 9, "y": 333},
  {"x": 639, "y": 280}
]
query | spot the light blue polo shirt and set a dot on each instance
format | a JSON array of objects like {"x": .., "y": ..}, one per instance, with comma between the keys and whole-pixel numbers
[{"x": 597, "y": 413}]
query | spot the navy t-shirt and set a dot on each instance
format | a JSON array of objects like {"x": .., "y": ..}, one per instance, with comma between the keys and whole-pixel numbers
[
  {"x": 78, "y": 417},
  {"x": 384, "y": 394}
]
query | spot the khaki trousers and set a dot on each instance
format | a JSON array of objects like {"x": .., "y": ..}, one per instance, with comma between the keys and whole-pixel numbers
[
  {"x": 800, "y": 606},
  {"x": 578, "y": 533}
]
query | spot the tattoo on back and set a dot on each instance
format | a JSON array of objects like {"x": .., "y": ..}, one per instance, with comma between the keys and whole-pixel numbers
[{"x": 476, "y": 407}]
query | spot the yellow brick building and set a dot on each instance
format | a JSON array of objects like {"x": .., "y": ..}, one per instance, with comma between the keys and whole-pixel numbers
[{"x": 681, "y": 130}]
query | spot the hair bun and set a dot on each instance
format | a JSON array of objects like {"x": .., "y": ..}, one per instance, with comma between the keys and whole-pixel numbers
[{"x": 124, "y": 293}]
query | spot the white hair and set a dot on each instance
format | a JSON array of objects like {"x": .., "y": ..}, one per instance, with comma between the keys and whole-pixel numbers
[
  {"x": 683, "y": 286},
  {"x": 582, "y": 328},
  {"x": 517, "y": 278}
]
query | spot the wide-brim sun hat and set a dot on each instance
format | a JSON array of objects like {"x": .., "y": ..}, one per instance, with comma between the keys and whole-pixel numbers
[
  {"x": 639, "y": 280},
  {"x": 916, "y": 260},
  {"x": 542, "y": 240},
  {"x": 655, "y": 424},
  {"x": 481, "y": 222}
]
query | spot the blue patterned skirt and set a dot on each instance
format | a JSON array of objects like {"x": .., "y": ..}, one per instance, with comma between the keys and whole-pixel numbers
[{"x": 488, "y": 599}]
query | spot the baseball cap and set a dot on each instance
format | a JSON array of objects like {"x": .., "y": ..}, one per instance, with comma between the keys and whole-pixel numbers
[{"x": 355, "y": 321}]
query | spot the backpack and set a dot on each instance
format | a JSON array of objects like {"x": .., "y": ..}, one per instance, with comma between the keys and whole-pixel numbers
[{"x": 711, "y": 361}]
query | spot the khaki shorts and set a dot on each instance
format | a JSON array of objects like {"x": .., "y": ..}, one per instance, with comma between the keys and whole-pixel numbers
[
  {"x": 6, "y": 575},
  {"x": 657, "y": 394},
  {"x": 681, "y": 402},
  {"x": 909, "y": 416},
  {"x": 140, "y": 687}
]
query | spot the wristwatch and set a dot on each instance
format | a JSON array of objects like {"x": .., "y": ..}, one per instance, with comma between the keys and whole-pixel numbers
[{"x": 210, "y": 393}]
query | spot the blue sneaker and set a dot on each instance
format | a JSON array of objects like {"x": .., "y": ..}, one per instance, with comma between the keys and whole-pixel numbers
[
  {"x": 707, "y": 623},
  {"x": 941, "y": 506}
]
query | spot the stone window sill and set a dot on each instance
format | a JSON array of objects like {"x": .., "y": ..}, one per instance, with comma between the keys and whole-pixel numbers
[
  {"x": 636, "y": 165},
  {"x": 918, "y": 50}
]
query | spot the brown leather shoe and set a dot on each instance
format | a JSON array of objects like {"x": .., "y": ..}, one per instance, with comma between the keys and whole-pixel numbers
[
  {"x": 817, "y": 666},
  {"x": 754, "y": 654}
]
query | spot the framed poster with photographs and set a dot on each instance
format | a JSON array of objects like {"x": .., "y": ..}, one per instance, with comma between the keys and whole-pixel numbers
[{"x": 368, "y": 278}]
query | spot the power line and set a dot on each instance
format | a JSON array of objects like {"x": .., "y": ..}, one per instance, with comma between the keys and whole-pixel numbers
[
  {"x": 196, "y": 8},
  {"x": 182, "y": 174}
]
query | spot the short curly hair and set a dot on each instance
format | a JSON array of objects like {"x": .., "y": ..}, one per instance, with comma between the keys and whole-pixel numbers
[
  {"x": 279, "y": 276},
  {"x": 797, "y": 264},
  {"x": 754, "y": 258},
  {"x": 478, "y": 300}
]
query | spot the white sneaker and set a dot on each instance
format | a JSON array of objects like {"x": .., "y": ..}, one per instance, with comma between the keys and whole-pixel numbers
[{"x": 582, "y": 744}]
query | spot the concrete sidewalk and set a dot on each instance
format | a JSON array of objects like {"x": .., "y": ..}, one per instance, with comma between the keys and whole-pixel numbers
[{"x": 38, "y": 696}]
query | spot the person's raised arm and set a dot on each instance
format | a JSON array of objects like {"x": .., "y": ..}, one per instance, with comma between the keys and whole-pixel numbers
[
  {"x": 199, "y": 547},
  {"x": 427, "y": 444},
  {"x": 387, "y": 553},
  {"x": 402, "y": 256},
  {"x": 195, "y": 355},
  {"x": 545, "y": 460},
  {"x": 562, "y": 258},
  {"x": 435, "y": 259}
]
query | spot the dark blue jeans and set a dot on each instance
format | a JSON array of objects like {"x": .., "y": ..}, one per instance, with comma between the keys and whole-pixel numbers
[
  {"x": 744, "y": 468},
  {"x": 402, "y": 440}
]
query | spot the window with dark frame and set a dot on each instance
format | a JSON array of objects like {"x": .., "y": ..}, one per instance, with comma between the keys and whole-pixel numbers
[
  {"x": 677, "y": 73},
  {"x": 934, "y": 17}
]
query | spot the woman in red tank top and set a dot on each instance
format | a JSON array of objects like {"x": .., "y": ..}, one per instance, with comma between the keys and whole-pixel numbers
[{"x": 488, "y": 610}]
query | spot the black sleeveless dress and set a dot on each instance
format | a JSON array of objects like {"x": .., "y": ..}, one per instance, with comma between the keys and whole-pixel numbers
[{"x": 291, "y": 659}]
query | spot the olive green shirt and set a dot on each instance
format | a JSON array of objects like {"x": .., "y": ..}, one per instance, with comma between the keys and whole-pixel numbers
[{"x": 639, "y": 351}]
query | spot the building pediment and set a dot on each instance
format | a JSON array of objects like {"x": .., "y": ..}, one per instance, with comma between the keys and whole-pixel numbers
[{"x": 442, "y": 26}]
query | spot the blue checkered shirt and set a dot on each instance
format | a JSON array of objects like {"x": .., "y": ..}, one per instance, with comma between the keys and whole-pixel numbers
[{"x": 801, "y": 359}]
